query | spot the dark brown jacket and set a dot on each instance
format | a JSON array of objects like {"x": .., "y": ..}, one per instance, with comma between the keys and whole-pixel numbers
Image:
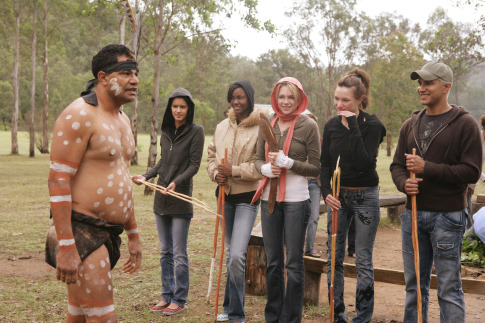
[{"x": 452, "y": 161}]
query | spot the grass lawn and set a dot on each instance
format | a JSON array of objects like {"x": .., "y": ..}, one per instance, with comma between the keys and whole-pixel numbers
[{"x": 24, "y": 202}]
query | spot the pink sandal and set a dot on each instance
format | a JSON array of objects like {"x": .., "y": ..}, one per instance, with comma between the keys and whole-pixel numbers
[
  {"x": 159, "y": 308},
  {"x": 170, "y": 311}
]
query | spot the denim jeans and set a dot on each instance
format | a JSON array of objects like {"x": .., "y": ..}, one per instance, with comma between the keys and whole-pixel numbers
[
  {"x": 239, "y": 222},
  {"x": 287, "y": 224},
  {"x": 311, "y": 231},
  {"x": 440, "y": 237},
  {"x": 173, "y": 233},
  {"x": 361, "y": 206}
]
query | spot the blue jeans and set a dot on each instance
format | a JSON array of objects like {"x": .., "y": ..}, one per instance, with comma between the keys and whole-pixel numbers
[
  {"x": 440, "y": 237},
  {"x": 287, "y": 224},
  {"x": 311, "y": 231},
  {"x": 239, "y": 222},
  {"x": 361, "y": 206},
  {"x": 173, "y": 233}
]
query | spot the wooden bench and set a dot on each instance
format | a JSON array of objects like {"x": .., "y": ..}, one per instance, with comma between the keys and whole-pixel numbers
[{"x": 315, "y": 267}]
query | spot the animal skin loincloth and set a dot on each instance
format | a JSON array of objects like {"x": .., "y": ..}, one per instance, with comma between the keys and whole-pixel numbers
[{"x": 90, "y": 233}]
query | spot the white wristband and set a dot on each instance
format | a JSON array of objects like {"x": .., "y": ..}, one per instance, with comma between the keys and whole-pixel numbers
[
  {"x": 266, "y": 170},
  {"x": 284, "y": 161}
]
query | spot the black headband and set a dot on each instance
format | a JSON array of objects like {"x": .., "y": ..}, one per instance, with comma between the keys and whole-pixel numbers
[
  {"x": 121, "y": 66},
  {"x": 116, "y": 67}
]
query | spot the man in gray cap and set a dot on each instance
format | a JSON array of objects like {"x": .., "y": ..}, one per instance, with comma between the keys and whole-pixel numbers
[{"x": 448, "y": 158}]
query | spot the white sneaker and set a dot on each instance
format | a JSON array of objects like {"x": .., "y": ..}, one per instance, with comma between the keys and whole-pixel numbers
[{"x": 222, "y": 317}]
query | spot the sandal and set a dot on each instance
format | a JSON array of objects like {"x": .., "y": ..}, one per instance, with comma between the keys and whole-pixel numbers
[
  {"x": 173, "y": 311},
  {"x": 159, "y": 308},
  {"x": 313, "y": 254}
]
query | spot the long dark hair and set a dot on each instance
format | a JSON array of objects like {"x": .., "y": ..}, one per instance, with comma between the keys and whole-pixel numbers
[{"x": 358, "y": 80}]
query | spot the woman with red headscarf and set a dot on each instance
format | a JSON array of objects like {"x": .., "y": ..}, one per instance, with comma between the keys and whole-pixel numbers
[{"x": 298, "y": 158}]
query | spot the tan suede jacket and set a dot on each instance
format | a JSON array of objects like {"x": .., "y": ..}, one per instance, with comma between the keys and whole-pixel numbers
[{"x": 240, "y": 141}]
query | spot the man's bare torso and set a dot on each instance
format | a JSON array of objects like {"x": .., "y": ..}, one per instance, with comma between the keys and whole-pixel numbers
[{"x": 103, "y": 140}]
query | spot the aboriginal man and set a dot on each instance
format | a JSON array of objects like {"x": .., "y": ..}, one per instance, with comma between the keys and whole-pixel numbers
[{"x": 90, "y": 190}]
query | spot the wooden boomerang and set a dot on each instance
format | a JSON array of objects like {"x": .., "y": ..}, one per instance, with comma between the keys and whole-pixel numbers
[{"x": 270, "y": 137}]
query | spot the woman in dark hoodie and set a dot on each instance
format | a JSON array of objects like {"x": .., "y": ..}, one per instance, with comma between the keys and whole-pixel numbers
[
  {"x": 353, "y": 136},
  {"x": 182, "y": 144}
]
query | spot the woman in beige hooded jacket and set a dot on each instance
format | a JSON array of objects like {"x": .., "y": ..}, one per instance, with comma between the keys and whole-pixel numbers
[{"x": 239, "y": 134}]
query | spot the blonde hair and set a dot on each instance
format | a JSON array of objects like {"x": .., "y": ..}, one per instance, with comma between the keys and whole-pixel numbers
[{"x": 293, "y": 89}]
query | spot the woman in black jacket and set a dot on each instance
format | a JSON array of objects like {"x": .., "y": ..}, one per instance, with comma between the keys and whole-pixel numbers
[
  {"x": 182, "y": 144},
  {"x": 353, "y": 137}
]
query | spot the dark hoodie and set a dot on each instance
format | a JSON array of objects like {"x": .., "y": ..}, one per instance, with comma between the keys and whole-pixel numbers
[
  {"x": 357, "y": 147},
  {"x": 248, "y": 88},
  {"x": 180, "y": 158},
  {"x": 452, "y": 161}
]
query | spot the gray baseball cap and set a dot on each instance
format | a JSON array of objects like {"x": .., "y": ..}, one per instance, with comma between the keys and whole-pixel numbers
[{"x": 432, "y": 71}]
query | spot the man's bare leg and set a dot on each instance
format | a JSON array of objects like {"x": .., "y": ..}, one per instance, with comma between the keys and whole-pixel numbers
[{"x": 91, "y": 297}]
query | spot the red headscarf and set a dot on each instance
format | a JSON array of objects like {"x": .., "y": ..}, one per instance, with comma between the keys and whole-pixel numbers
[{"x": 286, "y": 147}]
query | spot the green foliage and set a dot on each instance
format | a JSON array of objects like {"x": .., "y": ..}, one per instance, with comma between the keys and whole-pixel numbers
[
  {"x": 204, "y": 116},
  {"x": 473, "y": 251}
]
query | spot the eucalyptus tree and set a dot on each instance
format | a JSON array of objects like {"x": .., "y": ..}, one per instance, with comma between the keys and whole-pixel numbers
[
  {"x": 168, "y": 23},
  {"x": 459, "y": 45},
  {"x": 326, "y": 38},
  {"x": 393, "y": 93}
]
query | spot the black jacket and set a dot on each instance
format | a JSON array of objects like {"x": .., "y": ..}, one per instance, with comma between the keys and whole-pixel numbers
[
  {"x": 357, "y": 147},
  {"x": 180, "y": 159}
]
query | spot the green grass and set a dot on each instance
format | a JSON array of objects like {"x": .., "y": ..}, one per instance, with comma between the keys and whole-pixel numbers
[{"x": 24, "y": 203}]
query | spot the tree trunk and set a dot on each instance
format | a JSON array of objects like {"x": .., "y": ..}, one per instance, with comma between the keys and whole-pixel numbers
[
  {"x": 389, "y": 144},
  {"x": 32, "y": 86},
  {"x": 134, "y": 107},
  {"x": 15, "y": 80},
  {"x": 152, "y": 151},
  {"x": 122, "y": 23},
  {"x": 45, "y": 116}
]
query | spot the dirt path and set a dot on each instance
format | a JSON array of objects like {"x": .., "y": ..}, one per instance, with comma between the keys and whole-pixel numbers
[{"x": 389, "y": 298}]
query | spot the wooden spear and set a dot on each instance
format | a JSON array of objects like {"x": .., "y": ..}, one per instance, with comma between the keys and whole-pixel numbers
[
  {"x": 335, "y": 193},
  {"x": 414, "y": 210},
  {"x": 223, "y": 229}
]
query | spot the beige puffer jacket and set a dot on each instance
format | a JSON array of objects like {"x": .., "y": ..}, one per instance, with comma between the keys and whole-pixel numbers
[{"x": 240, "y": 141}]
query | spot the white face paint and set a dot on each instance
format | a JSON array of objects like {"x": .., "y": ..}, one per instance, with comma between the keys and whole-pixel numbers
[{"x": 115, "y": 87}]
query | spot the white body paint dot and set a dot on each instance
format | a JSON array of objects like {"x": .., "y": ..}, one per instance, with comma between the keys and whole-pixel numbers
[
  {"x": 109, "y": 287},
  {"x": 87, "y": 277},
  {"x": 110, "y": 183},
  {"x": 87, "y": 124},
  {"x": 99, "y": 191},
  {"x": 105, "y": 126},
  {"x": 76, "y": 125},
  {"x": 69, "y": 117},
  {"x": 83, "y": 113},
  {"x": 65, "y": 142},
  {"x": 59, "y": 133},
  {"x": 109, "y": 200},
  {"x": 96, "y": 204},
  {"x": 88, "y": 291},
  {"x": 78, "y": 140},
  {"x": 102, "y": 138},
  {"x": 102, "y": 263}
]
